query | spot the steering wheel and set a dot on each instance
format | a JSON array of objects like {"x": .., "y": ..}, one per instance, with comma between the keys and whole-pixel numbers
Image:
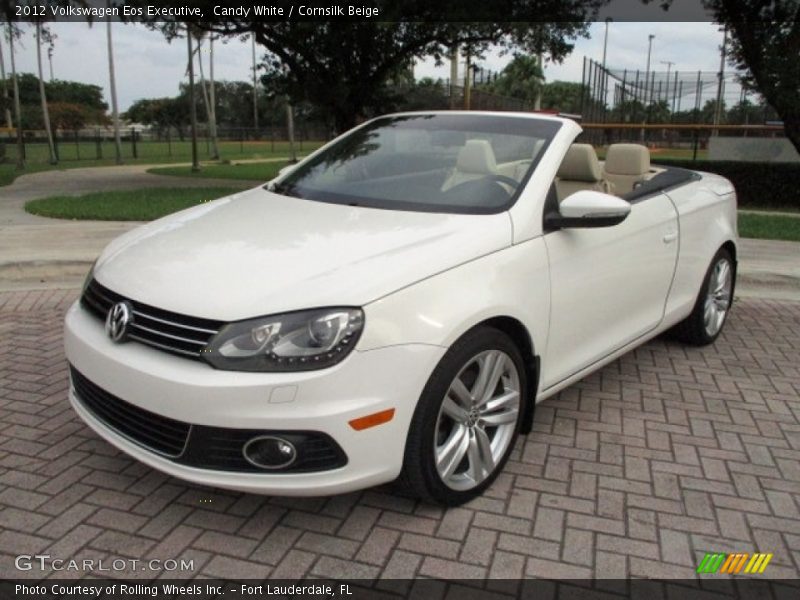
[{"x": 504, "y": 179}]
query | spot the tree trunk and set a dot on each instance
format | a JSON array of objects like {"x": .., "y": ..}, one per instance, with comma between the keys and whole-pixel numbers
[
  {"x": 208, "y": 106},
  {"x": 7, "y": 115},
  {"x": 17, "y": 109},
  {"x": 213, "y": 98},
  {"x": 113, "y": 84},
  {"x": 43, "y": 96},
  {"x": 192, "y": 104}
]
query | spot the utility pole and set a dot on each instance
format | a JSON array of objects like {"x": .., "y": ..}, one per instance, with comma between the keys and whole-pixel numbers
[
  {"x": 721, "y": 83},
  {"x": 50, "y": 60},
  {"x": 192, "y": 107},
  {"x": 255, "y": 87}
]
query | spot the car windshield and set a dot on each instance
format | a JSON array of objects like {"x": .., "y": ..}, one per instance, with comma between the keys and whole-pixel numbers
[{"x": 461, "y": 163}]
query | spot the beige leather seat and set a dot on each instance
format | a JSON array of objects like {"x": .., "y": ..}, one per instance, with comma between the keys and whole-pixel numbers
[
  {"x": 626, "y": 165},
  {"x": 475, "y": 160},
  {"x": 580, "y": 170}
]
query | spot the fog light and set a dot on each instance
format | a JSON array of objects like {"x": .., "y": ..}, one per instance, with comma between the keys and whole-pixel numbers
[{"x": 269, "y": 452}]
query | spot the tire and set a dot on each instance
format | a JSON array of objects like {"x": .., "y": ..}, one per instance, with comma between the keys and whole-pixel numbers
[
  {"x": 455, "y": 416},
  {"x": 701, "y": 328}
]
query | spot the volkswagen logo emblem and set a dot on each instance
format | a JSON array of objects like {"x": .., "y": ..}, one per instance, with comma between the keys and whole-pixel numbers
[{"x": 119, "y": 317}]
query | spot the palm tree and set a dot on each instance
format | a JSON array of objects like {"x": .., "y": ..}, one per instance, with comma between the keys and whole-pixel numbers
[
  {"x": 208, "y": 102},
  {"x": 6, "y": 103},
  {"x": 12, "y": 33},
  {"x": 192, "y": 106},
  {"x": 113, "y": 85},
  {"x": 45, "y": 113}
]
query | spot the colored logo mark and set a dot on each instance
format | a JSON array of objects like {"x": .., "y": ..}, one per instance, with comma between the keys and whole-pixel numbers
[{"x": 718, "y": 562}]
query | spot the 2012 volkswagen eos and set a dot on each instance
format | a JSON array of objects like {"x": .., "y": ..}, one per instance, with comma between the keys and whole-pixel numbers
[{"x": 394, "y": 305}]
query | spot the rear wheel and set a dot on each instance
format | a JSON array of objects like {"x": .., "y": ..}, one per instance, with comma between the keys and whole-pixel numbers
[
  {"x": 467, "y": 419},
  {"x": 713, "y": 303}
]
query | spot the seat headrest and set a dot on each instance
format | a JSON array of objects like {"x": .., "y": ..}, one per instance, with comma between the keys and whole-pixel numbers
[
  {"x": 477, "y": 156},
  {"x": 580, "y": 164},
  {"x": 627, "y": 159}
]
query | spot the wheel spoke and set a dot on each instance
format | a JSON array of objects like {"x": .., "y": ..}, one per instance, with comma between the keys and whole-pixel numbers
[
  {"x": 502, "y": 409},
  {"x": 709, "y": 312},
  {"x": 485, "y": 365},
  {"x": 450, "y": 455},
  {"x": 723, "y": 272},
  {"x": 460, "y": 393},
  {"x": 481, "y": 461},
  {"x": 453, "y": 410},
  {"x": 497, "y": 369}
]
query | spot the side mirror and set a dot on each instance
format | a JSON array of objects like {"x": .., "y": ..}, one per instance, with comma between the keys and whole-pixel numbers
[{"x": 588, "y": 209}]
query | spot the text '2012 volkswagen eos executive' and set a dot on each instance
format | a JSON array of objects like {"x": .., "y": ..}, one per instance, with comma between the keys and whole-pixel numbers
[{"x": 394, "y": 305}]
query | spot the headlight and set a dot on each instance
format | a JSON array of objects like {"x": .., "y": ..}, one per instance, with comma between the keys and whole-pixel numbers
[
  {"x": 298, "y": 341},
  {"x": 89, "y": 277}
]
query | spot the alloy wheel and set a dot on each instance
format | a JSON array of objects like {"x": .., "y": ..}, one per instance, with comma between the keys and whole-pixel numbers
[{"x": 477, "y": 420}]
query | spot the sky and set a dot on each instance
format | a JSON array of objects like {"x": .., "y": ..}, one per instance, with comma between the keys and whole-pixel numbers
[{"x": 148, "y": 66}]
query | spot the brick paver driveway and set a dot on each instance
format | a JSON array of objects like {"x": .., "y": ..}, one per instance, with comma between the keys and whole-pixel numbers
[{"x": 639, "y": 470}]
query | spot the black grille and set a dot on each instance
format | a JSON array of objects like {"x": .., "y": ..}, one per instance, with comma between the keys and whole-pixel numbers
[
  {"x": 213, "y": 448},
  {"x": 162, "y": 329},
  {"x": 160, "y": 434}
]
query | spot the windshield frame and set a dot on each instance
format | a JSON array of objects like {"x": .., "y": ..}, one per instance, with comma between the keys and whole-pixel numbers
[{"x": 546, "y": 128}]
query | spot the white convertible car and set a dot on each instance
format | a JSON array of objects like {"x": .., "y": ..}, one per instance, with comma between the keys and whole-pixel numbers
[{"x": 394, "y": 305}]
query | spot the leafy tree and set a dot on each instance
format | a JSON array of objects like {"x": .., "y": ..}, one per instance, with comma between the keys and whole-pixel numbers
[
  {"x": 522, "y": 78},
  {"x": 425, "y": 94},
  {"x": 345, "y": 68},
  {"x": 162, "y": 114},
  {"x": 765, "y": 44},
  {"x": 746, "y": 112},
  {"x": 628, "y": 111},
  {"x": 65, "y": 115},
  {"x": 563, "y": 96},
  {"x": 659, "y": 112}
]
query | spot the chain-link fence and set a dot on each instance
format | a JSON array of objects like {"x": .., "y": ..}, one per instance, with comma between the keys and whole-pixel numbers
[{"x": 160, "y": 145}]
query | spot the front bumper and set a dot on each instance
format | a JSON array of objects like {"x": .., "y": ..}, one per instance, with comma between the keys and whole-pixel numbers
[{"x": 322, "y": 401}]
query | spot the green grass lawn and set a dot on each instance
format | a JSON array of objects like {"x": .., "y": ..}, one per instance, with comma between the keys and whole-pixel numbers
[
  {"x": 131, "y": 205},
  {"x": 769, "y": 227},
  {"x": 248, "y": 171},
  {"x": 84, "y": 154}
]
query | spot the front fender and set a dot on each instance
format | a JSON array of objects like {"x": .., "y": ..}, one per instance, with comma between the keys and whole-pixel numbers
[{"x": 513, "y": 282}]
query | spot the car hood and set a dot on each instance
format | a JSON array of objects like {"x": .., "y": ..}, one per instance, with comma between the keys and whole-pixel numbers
[{"x": 257, "y": 253}]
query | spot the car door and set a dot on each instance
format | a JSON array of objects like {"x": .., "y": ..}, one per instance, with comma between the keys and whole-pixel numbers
[{"x": 608, "y": 285}]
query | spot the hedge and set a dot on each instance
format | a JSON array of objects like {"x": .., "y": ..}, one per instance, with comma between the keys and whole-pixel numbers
[{"x": 758, "y": 184}]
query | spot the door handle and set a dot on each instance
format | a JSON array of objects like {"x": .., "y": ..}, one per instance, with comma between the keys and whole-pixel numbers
[{"x": 670, "y": 237}]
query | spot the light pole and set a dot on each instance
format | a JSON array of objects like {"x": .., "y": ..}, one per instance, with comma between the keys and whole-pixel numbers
[
  {"x": 650, "y": 39},
  {"x": 647, "y": 85},
  {"x": 669, "y": 64},
  {"x": 721, "y": 83},
  {"x": 605, "y": 54},
  {"x": 50, "y": 60}
]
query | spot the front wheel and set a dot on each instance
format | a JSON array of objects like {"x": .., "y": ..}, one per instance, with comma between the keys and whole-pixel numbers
[
  {"x": 713, "y": 303},
  {"x": 467, "y": 419}
]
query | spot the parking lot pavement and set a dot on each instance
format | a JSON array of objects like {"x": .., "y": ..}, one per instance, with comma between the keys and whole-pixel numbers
[{"x": 640, "y": 469}]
